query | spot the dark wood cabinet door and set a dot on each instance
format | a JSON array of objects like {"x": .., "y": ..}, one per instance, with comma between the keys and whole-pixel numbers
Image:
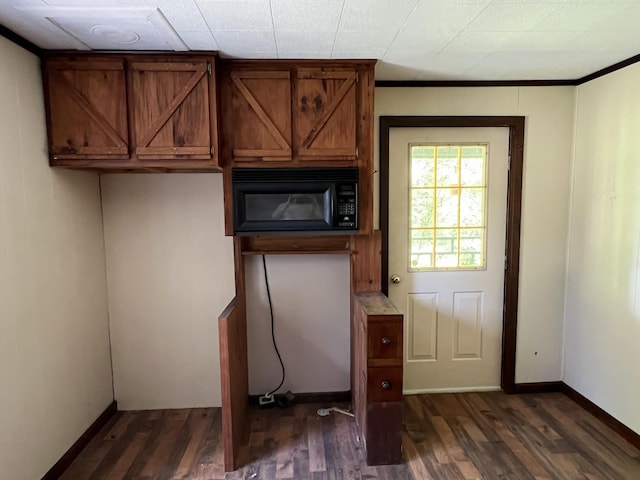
[
  {"x": 326, "y": 114},
  {"x": 86, "y": 108},
  {"x": 260, "y": 106},
  {"x": 171, "y": 109}
]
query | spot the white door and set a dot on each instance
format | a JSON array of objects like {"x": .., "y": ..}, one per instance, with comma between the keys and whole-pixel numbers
[{"x": 447, "y": 218}]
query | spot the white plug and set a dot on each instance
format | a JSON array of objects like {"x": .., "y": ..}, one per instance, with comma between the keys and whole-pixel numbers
[{"x": 266, "y": 399}]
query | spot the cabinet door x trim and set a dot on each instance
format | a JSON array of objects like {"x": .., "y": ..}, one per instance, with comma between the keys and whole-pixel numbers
[
  {"x": 350, "y": 78},
  {"x": 237, "y": 79},
  {"x": 199, "y": 72},
  {"x": 96, "y": 116}
]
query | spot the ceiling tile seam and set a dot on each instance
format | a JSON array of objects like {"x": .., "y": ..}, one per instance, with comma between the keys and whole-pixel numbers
[
  {"x": 195, "y": 2},
  {"x": 335, "y": 35},
  {"x": 273, "y": 30},
  {"x": 460, "y": 31},
  {"x": 79, "y": 43},
  {"x": 462, "y": 73},
  {"x": 402, "y": 27}
]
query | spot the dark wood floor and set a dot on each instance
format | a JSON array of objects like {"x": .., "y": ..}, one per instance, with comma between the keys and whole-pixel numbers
[{"x": 447, "y": 436}]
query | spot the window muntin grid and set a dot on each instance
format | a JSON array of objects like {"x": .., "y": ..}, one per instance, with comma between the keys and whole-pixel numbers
[{"x": 447, "y": 207}]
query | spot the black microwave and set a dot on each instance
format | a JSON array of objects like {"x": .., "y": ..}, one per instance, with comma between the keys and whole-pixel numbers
[{"x": 306, "y": 200}]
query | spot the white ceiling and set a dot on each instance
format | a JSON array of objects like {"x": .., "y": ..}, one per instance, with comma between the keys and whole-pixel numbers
[{"x": 412, "y": 39}]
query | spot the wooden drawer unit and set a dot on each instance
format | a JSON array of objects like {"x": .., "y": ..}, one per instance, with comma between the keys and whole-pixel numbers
[
  {"x": 384, "y": 343},
  {"x": 384, "y": 384},
  {"x": 377, "y": 377}
]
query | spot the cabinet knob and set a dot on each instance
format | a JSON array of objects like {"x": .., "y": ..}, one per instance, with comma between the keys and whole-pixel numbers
[
  {"x": 385, "y": 384},
  {"x": 386, "y": 340}
]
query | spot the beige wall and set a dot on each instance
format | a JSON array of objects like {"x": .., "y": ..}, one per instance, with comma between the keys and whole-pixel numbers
[
  {"x": 54, "y": 339},
  {"x": 170, "y": 274},
  {"x": 310, "y": 295},
  {"x": 602, "y": 336},
  {"x": 548, "y": 141}
]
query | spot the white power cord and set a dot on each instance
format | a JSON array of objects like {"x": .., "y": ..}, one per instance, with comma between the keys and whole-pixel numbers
[{"x": 324, "y": 412}]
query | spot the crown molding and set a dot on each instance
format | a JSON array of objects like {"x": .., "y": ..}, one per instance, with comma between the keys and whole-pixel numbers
[
  {"x": 21, "y": 41},
  {"x": 474, "y": 83},
  {"x": 609, "y": 69}
]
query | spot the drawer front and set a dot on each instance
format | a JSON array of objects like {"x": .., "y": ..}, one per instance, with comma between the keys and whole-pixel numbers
[
  {"x": 384, "y": 384},
  {"x": 384, "y": 340}
]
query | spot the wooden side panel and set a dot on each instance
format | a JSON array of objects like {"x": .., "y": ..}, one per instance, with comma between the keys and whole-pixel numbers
[
  {"x": 261, "y": 114},
  {"x": 359, "y": 366},
  {"x": 366, "y": 262},
  {"x": 171, "y": 110},
  {"x": 232, "y": 331},
  {"x": 214, "y": 114},
  {"x": 234, "y": 366},
  {"x": 365, "y": 123},
  {"x": 87, "y": 108},
  {"x": 325, "y": 113}
]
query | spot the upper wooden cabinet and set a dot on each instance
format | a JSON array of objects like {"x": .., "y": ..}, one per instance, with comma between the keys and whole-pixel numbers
[
  {"x": 87, "y": 107},
  {"x": 259, "y": 107},
  {"x": 131, "y": 112},
  {"x": 325, "y": 113},
  {"x": 170, "y": 108},
  {"x": 300, "y": 112}
]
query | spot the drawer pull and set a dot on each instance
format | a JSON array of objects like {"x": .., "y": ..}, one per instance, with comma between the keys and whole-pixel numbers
[
  {"x": 386, "y": 340},
  {"x": 385, "y": 384}
]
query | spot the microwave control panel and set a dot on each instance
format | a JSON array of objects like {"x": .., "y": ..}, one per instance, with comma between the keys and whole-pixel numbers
[{"x": 347, "y": 205}]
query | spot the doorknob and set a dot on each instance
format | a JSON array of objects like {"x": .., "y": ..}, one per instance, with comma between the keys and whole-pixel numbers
[{"x": 395, "y": 279}]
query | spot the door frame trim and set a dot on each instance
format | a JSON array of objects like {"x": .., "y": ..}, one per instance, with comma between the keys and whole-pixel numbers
[{"x": 515, "y": 124}]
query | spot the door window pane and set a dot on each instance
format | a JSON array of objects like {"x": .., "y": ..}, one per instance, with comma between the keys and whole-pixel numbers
[
  {"x": 447, "y": 166},
  {"x": 447, "y": 205},
  {"x": 421, "y": 248},
  {"x": 472, "y": 207},
  {"x": 422, "y": 208},
  {"x": 473, "y": 169},
  {"x": 422, "y": 166}
]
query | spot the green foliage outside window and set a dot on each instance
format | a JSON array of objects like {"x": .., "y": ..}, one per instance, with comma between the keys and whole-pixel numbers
[{"x": 447, "y": 206}]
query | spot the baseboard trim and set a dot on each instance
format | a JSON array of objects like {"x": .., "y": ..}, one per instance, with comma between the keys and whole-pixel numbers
[
  {"x": 313, "y": 397},
  {"x": 536, "y": 387},
  {"x": 70, "y": 455},
  {"x": 426, "y": 391},
  {"x": 614, "y": 424}
]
